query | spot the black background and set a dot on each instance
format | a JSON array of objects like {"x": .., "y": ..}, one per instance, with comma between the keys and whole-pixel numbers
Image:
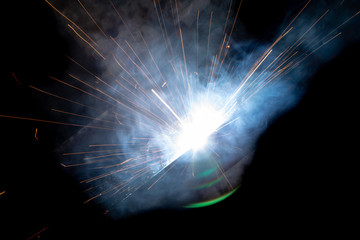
[{"x": 302, "y": 181}]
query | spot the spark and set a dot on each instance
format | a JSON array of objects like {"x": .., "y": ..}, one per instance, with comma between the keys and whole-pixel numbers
[
  {"x": 92, "y": 19},
  {"x": 247, "y": 78},
  {"x": 162, "y": 175},
  {"x": 122, "y": 20},
  {"x": 36, "y": 132},
  {"x": 208, "y": 44},
  {"x": 16, "y": 79},
  {"x": 82, "y": 116},
  {"x": 233, "y": 25},
  {"x": 63, "y": 98},
  {"x": 86, "y": 42},
  {"x": 55, "y": 122},
  {"x": 72, "y": 22},
  {"x": 38, "y": 233},
  {"x": 117, "y": 119},
  {"x": 167, "y": 106}
]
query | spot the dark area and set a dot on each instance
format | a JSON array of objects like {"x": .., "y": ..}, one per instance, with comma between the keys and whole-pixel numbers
[
  {"x": 262, "y": 19},
  {"x": 302, "y": 181},
  {"x": 303, "y": 177}
]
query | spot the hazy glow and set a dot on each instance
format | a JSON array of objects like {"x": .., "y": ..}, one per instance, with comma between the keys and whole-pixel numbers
[{"x": 202, "y": 121}]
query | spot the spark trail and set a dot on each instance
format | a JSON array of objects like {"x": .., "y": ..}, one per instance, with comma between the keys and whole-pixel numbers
[{"x": 169, "y": 116}]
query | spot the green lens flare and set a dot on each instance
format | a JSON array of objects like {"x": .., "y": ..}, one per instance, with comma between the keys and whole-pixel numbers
[
  {"x": 211, "y": 202},
  {"x": 206, "y": 172},
  {"x": 210, "y": 184}
]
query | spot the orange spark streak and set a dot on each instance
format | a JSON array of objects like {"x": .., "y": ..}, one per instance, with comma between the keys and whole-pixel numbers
[
  {"x": 37, "y": 234},
  {"x": 220, "y": 51},
  {"x": 92, "y": 19},
  {"x": 92, "y": 74},
  {"x": 326, "y": 42},
  {"x": 147, "y": 70},
  {"x": 318, "y": 48},
  {"x": 117, "y": 144},
  {"x": 197, "y": 40},
  {"x": 70, "y": 21},
  {"x": 53, "y": 95},
  {"x": 16, "y": 79},
  {"x": 296, "y": 16},
  {"x": 288, "y": 68},
  {"x": 80, "y": 115},
  {"x": 86, "y": 163},
  {"x": 86, "y": 41},
  {"x": 248, "y": 76},
  {"x": 98, "y": 90},
  {"x": 113, "y": 165},
  {"x": 152, "y": 58},
  {"x": 134, "y": 94},
  {"x": 222, "y": 169},
  {"x": 102, "y": 81},
  {"x": 54, "y": 122},
  {"x": 211, "y": 70},
  {"x": 297, "y": 43},
  {"x": 81, "y": 90},
  {"x": 144, "y": 111},
  {"x": 106, "y": 145},
  {"x": 173, "y": 18},
  {"x": 116, "y": 171},
  {"x": 182, "y": 45},
  {"x": 120, "y": 187},
  {"x": 123, "y": 68},
  {"x": 208, "y": 44},
  {"x": 232, "y": 28},
  {"x": 88, "y": 152},
  {"x": 227, "y": 16},
  {"x": 164, "y": 32},
  {"x": 136, "y": 65},
  {"x": 342, "y": 24},
  {"x": 106, "y": 155},
  {"x": 119, "y": 122},
  {"x": 162, "y": 175},
  {"x": 164, "y": 23},
  {"x": 147, "y": 113},
  {"x": 122, "y": 20},
  {"x": 92, "y": 198},
  {"x": 36, "y": 132}
]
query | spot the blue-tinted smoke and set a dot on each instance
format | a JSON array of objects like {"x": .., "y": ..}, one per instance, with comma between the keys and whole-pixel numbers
[{"x": 134, "y": 168}]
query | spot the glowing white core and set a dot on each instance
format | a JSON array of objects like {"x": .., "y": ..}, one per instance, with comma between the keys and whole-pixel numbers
[{"x": 202, "y": 121}]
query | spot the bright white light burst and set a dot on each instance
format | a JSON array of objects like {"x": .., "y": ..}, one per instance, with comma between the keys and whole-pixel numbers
[{"x": 202, "y": 121}]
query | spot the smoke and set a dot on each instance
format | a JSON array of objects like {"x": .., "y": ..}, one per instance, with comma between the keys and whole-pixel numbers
[{"x": 138, "y": 46}]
